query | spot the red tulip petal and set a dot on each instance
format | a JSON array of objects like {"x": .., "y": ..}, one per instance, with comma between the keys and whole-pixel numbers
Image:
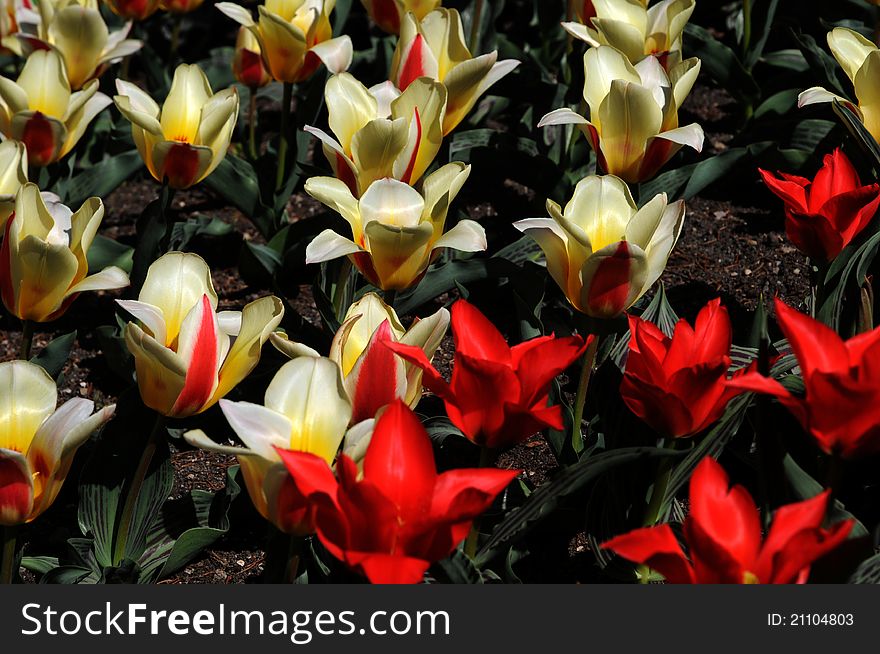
[
  {"x": 836, "y": 176},
  {"x": 657, "y": 548},
  {"x": 816, "y": 346},
  {"x": 475, "y": 336},
  {"x": 414, "y": 66},
  {"x": 850, "y": 212},
  {"x": 201, "y": 375},
  {"x": 431, "y": 379},
  {"x": 389, "y": 568},
  {"x": 791, "y": 192},
  {"x": 539, "y": 364},
  {"x": 376, "y": 376},
  {"x": 310, "y": 473},
  {"x": 610, "y": 289},
  {"x": 483, "y": 391},
  {"x": 16, "y": 489},
  {"x": 713, "y": 333},
  {"x": 814, "y": 235},
  {"x": 463, "y": 494},
  {"x": 39, "y": 138}
]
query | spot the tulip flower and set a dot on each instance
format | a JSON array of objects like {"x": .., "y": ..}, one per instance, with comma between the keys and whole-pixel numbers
[
  {"x": 381, "y": 132},
  {"x": 678, "y": 385},
  {"x": 498, "y": 394},
  {"x": 603, "y": 251},
  {"x": 435, "y": 47},
  {"x": 133, "y": 9},
  {"x": 395, "y": 229},
  {"x": 39, "y": 110},
  {"x": 859, "y": 58},
  {"x": 388, "y": 14},
  {"x": 397, "y": 518},
  {"x": 187, "y": 355},
  {"x": 247, "y": 63},
  {"x": 724, "y": 539},
  {"x": 305, "y": 410},
  {"x": 43, "y": 265},
  {"x": 185, "y": 140},
  {"x": 842, "y": 382},
  {"x": 636, "y": 30},
  {"x": 13, "y": 175},
  {"x": 823, "y": 216},
  {"x": 11, "y": 13},
  {"x": 295, "y": 37},
  {"x": 37, "y": 442},
  {"x": 633, "y": 122},
  {"x": 180, "y": 6},
  {"x": 77, "y": 31},
  {"x": 581, "y": 10},
  {"x": 373, "y": 377}
]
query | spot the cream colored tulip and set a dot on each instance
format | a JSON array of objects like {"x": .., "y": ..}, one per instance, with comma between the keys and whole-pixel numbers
[
  {"x": 295, "y": 37},
  {"x": 435, "y": 48},
  {"x": 305, "y": 410},
  {"x": 373, "y": 376},
  {"x": 633, "y": 121},
  {"x": 184, "y": 141},
  {"x": 187, "y": 355},
  {"x": 388, "y": 14},
  {"x": 13, "y": 13},
  {"x": 37, "y": 442},
  {"x": 43, "y": 265},
  {"x": 77, "y": 31},
  {"x": 13, "y": 175},
  {"x": 39, "y": 110},
  {"x": 602, "y": 250},
  {"x": 395, "y": 229},
  {"x": 381, "y": 132},
  {"x": 860, "y": 60},
  {"x": 636, "y": 30}
]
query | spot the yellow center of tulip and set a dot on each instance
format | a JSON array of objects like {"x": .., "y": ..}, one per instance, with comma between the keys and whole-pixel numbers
[
  {"x": 605, "y": 230},
  {"x": 750, "y": 578}
]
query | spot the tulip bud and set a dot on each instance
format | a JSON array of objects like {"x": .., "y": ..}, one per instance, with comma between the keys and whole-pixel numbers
[
  {"x": 435, "y": 48},
  {"x": 247, "y": 64},
  {"x": 43, "y": 265},
  {"x": 13, "y": 175},
  {"x": 306, "y": 409},
  {"x": 395, "y": 229},
  {"x": 184, "y": 352},
  {"x": 295, "y": 37},
  {"x": 133, "y": 9},
  {"x": 602, "y": 250},
  {"x": 39, "y": 109},
  {"x": 37, "y": 442},
  {"x": 388, "y": 14},
  {"x": 185, "y": 140}
]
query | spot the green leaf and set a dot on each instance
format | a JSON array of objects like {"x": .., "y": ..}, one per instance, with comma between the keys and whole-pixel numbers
[
  {"x": 39, "y": 564},
  {"x": 55, "y": 355},
  {"x": 857, "y": 128},
  {"x": 102, "y": 178},
  {"x": 805, "y": 488},
  {"x": 721, "y": 64},
  {"x": 106, "y": 252},
  {"x": 442, "y": 278},
  {"x": 459, "y": 569},
  {"x": 868, "y": 571},
  {"x": 762, "y": 14}
]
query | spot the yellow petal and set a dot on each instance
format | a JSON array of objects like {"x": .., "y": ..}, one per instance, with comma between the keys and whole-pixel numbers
[
  {"x": 44, "y": 81},
  {"x": 27, "y": 401},
  {"x": 81, "y": 35},
  {"x": 182, "y": 111},
  {"x": 362, "y": 320},
  {"x": 400, "y": 255},
  {"x": 161, "y": 373},
  {"x": 350, "y": 107}
]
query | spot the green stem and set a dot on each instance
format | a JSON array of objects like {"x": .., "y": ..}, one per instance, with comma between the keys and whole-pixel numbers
[
  {"x": 655, "y": 505},
  {"x": 125, "y": 520},
  {"x": 252, "y": 124},
  {"x": 285, "y": 135},
  {"x": 577, "y": 438},
  {"x": 341, "y": 291},
  {"x": 473, "y": 539},
  {"x": 747, "y": 26},
  {"x": 475, "y": 26},
  {"x": 27, "y": 340},
  {"x": 7, "y": 563}
]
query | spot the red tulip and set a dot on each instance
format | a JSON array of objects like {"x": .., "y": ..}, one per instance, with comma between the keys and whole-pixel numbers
[
  {"x": 677, "y": 385},
  {"x": 401, "y": 516},
  {"x": 498, "y": 394},
  {"x": 723, "y": 536},
  {"x": 823, "y": 216},
  {"x": 841, "y": 406}
]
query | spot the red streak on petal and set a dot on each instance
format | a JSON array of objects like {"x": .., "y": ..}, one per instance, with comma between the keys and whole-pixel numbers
[
  {"x": 203, "y": 366},
  {"x": 386, "y": 15},
  {"x": 346, "y": 175},
  {"x": 15, "y": 491},
  {"x": 39, "y": 139},
  {"x": 413, "y": 67},
  {"x": 407, "y": 176},
  {"x": 610, "y": 288},
  {"x": 376, "y": 383},
  {"x": 250, "y": 68},
  {"x": 181, "y": 166}
]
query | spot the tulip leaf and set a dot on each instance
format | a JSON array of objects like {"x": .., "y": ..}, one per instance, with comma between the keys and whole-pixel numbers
[
  {"x": 547, "y": 497},
  {"x": 106, "y": 252},
  {"x": 761, "y": 21},
  {"x": 100, "y": 179},
  {"x": 459, "y": 569},
  {"x": 442, "y": 278},
  {"x": 55, "y": 355},
  {"x": 857, "y": 128},
  {"x": 721, "y": 64},
  {"x": 868, "y": 572}
]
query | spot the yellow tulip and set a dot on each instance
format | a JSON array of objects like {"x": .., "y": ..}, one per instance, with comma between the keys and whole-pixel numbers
[
  {"x": 13, "y": 175},
  {"x": 602, "y": 250},
  {"x": 381, "y": 132},
  {"x": 39, "y": 110},
  {"x": 396, "y": 229},
  {"x": 435, "y": 48},
  {"x": 43, "y": 264},
  {"x": 185, "y": 140},
  {"x": 186, "y": 354},
  {"x": 305, "y": 410},
  {"x": 633, "y": 122},
  {"x": 372, "y": 375},
  {"x": 37, "y": 442},
  {"x": 295, "y": 37},
  {"x": 77, "y": 31},
  {"x": 133, "y": 9},
  {"x": 860, "y": 60},
  {"x": 388, "y": 14},
  {"x": 247, "y": 64},
  {"x": 636, "y": 30}
]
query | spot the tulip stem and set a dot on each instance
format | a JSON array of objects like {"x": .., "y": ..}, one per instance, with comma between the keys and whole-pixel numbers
[
  {"x": 747, "y": 27},
  {"x": 286, "y": 97},
  {"x": 487, "y": 456},
  {"x": 475, "y": 26},
  {"x": 340, "y": 293},
  {"x": 587, "y": 363},
  {"x": 655, "y": 505},
  {"x": 252, "y": 124},
  {"x": 125, "y": 520},
  {"x": 27, "y": 340},
  {"x": 7, "y": 563}
]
